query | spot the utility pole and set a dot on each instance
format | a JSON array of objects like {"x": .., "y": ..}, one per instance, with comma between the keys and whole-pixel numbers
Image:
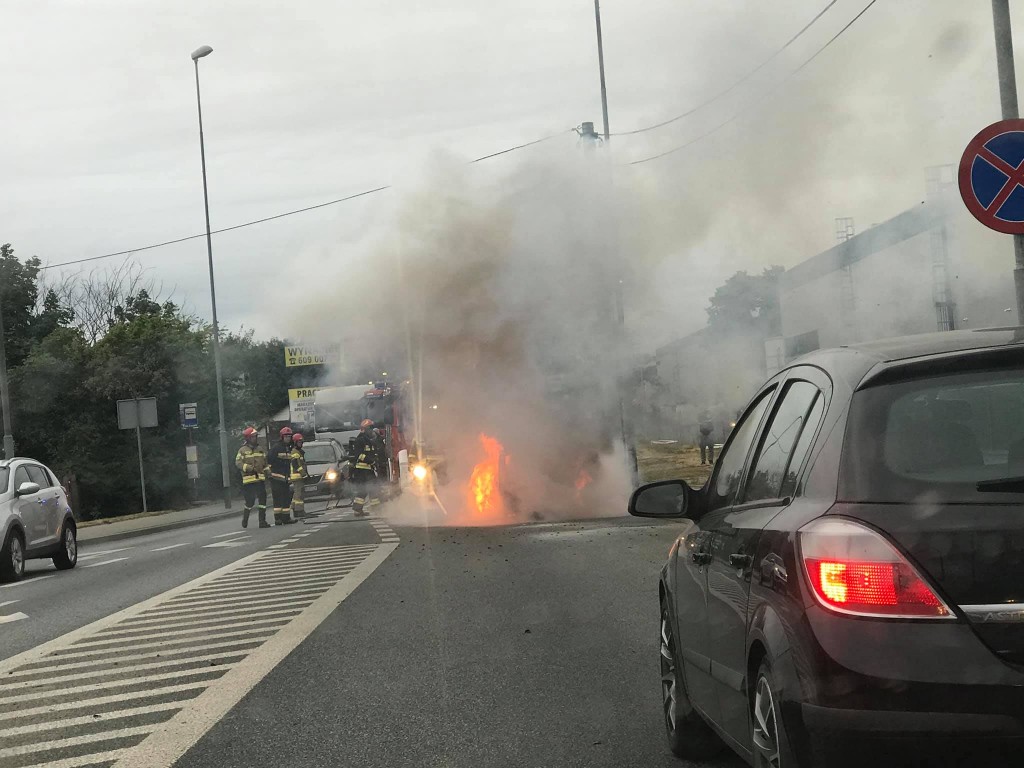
[
  {"x": 5, "y": 394},
  {"x": 1008, "y": 102},
  {"x": 600, "y": 64}
]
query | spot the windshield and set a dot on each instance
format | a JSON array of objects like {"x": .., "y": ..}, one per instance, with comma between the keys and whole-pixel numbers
[
  {"x": 319, "y": 454},
  {"x": 344, "y": 415},
  {"x": 935, "y": 437}
]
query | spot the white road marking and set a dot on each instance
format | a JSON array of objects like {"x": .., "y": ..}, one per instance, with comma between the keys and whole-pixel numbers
[
  {"x": 99, "y": 701},
  {"x": 171, "y": 546},
  {"x": 10, "y": 618},
  {"x": 71, "y": 722},
  {"x": 236, "y": 542},
  {"x": 28, "y": 580},
  {"x": 105, "y": 562},
  {"x": 223, "y": 535},
  {"x": 97, "y": 758},
  {"x": 28, "y": 749},
  {"x": 87, "y": 555},
  {"x": 168, "y": 743},
  {"x": 9, "y": 602}
]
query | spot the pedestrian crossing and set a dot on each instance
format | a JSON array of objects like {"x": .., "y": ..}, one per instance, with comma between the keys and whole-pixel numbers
[{"x": 92, "y": 697}]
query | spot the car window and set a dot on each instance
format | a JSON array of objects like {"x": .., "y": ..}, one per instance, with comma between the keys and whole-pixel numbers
[
  {"x": 20, "y": 477},
  {"x": 5, "y": 476},
  {"x": 39, "y": 476},
  {"x": 734, "y": 457},
  {"x": 778, "y": 441},
  {"x": 796, "y": 461},
  {"x": 936, "y": 437}
]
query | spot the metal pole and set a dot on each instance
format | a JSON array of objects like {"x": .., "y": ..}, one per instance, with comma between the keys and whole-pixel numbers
[
  {"x": 5, "y": 395},
  {"x": 225, "y": 472},
  {"x": 138, "y": 438},
  {"x": 600, "y": 64},
  {"x": 1008, "y": 102}
]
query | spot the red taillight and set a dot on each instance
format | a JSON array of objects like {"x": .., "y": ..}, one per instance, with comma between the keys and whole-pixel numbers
[{"x": 854, "y": 570}]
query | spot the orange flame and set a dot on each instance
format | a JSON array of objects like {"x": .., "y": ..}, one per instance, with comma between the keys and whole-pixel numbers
[
  {"x": 583, "y": 479},
  {"x": 484, "y": 490}
]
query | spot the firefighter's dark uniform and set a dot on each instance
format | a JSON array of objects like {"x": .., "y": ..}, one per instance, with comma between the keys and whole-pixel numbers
[
  {"x": 298, "y": 475},
  {"x": 364, "y": 476},
  {"x": 280, "y": 475},
  {"x": 252, "y": 463}
]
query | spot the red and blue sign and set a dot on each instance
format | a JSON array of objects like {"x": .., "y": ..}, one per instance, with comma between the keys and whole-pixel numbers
[{"x": 992, "y": 177}]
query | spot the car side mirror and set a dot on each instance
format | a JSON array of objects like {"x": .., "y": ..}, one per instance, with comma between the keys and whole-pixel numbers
[
  {"x": 27, "y": 489},
  {"x": 668, "y": 498}
]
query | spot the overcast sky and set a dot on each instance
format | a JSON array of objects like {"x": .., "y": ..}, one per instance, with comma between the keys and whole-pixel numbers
[{"x": 310, "y": 100}]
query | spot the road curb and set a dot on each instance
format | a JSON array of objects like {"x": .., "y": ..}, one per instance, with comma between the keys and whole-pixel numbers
[{"x": 164, "y": 527}]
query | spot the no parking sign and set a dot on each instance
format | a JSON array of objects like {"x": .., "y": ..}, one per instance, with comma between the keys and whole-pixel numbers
[{"x": 992, "y": 177}]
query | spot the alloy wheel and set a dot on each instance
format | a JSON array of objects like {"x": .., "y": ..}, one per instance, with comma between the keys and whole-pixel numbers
[
  {"x": 766, "y": 731},
  {"x": 70, "y": 545},
  {"x": 668, "y": 675},
  {"x": 17, "y": 556}
]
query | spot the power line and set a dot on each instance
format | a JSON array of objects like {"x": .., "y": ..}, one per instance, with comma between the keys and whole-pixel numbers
[
  {"x": 364, "y": 193},
  {"x": 735, "y": 85},
  {"x": 764, "y": 98}
]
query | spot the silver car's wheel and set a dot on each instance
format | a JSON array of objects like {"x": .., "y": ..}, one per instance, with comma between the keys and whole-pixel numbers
[
  {"x": 12, "y": 558},
  {"x": 67, "y": 556},
  {"x": 767, "y": 753},
  {"x": 17, "y": 557}
]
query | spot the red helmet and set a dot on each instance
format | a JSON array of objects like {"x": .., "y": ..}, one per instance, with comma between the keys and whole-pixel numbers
[
  {"x": 249, "y": 433},
  {"x": 298, "y": 438},
  {"x": 285, "y": 432},
  {"x": 366, "y": 424}
]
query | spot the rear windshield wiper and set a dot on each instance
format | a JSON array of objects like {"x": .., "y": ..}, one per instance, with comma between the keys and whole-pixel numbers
[{"x": 1002, "y": 485}]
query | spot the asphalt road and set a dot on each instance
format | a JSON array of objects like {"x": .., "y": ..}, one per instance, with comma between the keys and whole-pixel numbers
[{"x": 353, "y": 643}]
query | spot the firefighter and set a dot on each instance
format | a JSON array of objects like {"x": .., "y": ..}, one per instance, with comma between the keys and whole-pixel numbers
[
  {"x": 251, "y": 461},
  {"x": 364, "y": 476},
  {"x": 298, "y": 475},
  {"x": 280, "y": 475},
  {"x": 707, "y": 442}
]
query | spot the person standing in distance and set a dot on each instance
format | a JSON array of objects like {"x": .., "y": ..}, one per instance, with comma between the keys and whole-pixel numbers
[
  {"x": 364, "y": 475},
  {"x": 280, "y": 477},
  {"x": 298, "y": 475},
  {"x": 251, "y": 461}
]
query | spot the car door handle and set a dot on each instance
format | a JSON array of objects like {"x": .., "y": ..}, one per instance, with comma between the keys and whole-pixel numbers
[
  {"x": 701, "y": 558},
  {"x": 738, "y": 560}
]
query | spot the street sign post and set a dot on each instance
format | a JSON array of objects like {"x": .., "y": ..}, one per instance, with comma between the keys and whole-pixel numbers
[
  {"x": 189, "y": 415},
  {"x": 138, "y": 413},
  {"x": 992, "y": 177}
]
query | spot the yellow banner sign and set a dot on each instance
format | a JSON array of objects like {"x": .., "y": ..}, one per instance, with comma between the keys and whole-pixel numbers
[
  {"x": 300, "y": 404},
  {"x": 299, "y": 356}
]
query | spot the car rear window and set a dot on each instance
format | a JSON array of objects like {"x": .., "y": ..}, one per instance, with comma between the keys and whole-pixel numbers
[{"x": 934, "y": 438}]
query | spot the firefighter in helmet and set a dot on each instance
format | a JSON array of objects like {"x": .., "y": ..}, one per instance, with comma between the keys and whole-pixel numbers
[
  {"x": 364, "y": 475},
  {"x": 251, "y": 461},
  {"x": 280, "y": 476},
  {"x": 298, "y": 475}
]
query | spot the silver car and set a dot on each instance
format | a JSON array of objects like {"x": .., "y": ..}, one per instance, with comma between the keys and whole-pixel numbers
[{"x": 35, "y": 518}]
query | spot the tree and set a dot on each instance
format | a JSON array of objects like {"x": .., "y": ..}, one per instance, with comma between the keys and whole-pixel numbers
[
  {"x": 747, "y": 304},
  {"x": 18, "y": 294}
]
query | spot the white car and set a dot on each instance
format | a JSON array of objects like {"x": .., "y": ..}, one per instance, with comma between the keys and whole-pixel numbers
[{"x": 35, "y": 519}]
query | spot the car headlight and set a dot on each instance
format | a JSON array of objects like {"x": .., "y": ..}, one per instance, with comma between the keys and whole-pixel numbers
[
  {"x": 331, "y": 475},
  {"x": 419, "y": 472}
]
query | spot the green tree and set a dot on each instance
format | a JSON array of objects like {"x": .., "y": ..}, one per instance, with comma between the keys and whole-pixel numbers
[
  {"x": 18, "y": 295},
  {"x": 747, "y": 304}
]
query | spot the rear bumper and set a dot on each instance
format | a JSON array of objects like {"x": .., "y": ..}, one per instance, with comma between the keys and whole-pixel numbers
[{"x": 896, "y": 723}]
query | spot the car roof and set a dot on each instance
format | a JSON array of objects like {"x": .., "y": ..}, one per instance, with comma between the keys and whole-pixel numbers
[{"x": 855, "y": 361}]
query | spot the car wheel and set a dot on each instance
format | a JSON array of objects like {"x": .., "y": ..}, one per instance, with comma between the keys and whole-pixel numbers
[
  {"x": 12, "y": 558},
  {"x": 67, "y": 556},
  {"x": 771, "y": 746},
  {"x": 689, "y": 736}
]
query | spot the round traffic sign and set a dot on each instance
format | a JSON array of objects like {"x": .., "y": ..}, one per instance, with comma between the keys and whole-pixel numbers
[{"x": 992, "y": 177}]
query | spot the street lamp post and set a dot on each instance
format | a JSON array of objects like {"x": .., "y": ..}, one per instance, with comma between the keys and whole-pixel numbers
[
  {"x": 197, "y": 54},
  {"x": 5, "y": 396}
]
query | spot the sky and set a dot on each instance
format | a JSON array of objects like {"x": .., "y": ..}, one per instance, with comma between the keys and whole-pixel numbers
[{"x": 311, "y": 100}]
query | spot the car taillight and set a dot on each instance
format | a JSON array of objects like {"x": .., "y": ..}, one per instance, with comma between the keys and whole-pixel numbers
[{"x": 853, "y": 569}]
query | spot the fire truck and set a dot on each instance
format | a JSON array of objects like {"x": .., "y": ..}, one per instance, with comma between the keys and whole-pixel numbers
[{"x": 338, "y": 412}]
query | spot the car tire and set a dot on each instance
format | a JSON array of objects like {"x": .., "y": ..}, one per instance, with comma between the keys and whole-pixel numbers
[
  {"x": 12, "y": 557},
  {"x": 67, "y": 556},
  {"x": 769, "y": 741},
  {"x": 689, "y": 737}
]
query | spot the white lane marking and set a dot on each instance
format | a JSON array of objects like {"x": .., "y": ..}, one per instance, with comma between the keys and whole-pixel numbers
[
  {"x": 28, "y": 580},
  {"x": 223, "y": 535},
  {"x": 277, "y": 546},
  {"x": 9, "y": 602},
  {"x": 71, "y": 722},
  {"x": 97, "y": 655},
  {"x": 258, "y": 589},
  {"x": 233, "y": 603},
  {"x": 251, "y": 613},
  {"x": 236, "y": 542},
  {"x": 171, "y": 546},
  {"x": 99, "y": 701},
  {"x": 71, "y": 690},
  {"x": 87, "y": 555},
  {"x": 74, "y": 741},
  {"x": 105, "y": 562},
  {"x": 163, "y": 747},
  {"x": 96, "y": 758},
  {"x": 111, "y": 642},
  {"x": 10, "y": 618}
]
